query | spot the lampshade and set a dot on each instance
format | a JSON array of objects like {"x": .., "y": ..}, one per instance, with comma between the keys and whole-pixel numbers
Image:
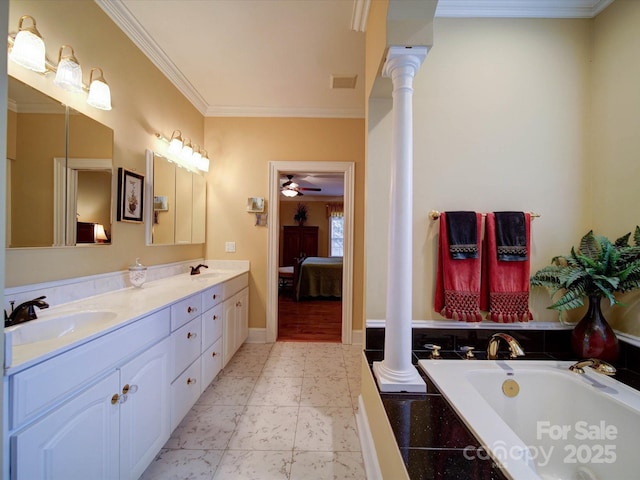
[
  {"x": 28, "y": 47},
  {"x": 99, "y": 234},
  {"x": 289, "y": 193},
  {"x": 99, "y": 92},
  {"x": 187, "y": 151},
  {"x": 196, "y": 158},
  {"x": 203, "y": 163},
  {"x": 69, "y": 74},
  {"x": 175, "y": 144}
]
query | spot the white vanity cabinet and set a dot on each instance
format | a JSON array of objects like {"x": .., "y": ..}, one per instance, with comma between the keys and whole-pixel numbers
[
  {"x": 236, "y": 323},
  {"x": 103, "y": 409},
  {"x": 104, "y": 423}
]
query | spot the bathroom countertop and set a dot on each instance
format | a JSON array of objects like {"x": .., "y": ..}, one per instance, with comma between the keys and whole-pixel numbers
[{"x": 128, "y": 305}]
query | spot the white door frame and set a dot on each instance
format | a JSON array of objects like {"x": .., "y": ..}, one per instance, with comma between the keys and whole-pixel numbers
[{"x": 276, "y": 170}]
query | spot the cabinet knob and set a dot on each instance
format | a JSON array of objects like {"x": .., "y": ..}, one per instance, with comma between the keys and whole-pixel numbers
[
  {"x": 129, "y": 389},
  {"x": 116, "y": 399},
  {"x": 238, "y": 303},
  {"x": 215, "y": 317},
  {"x": 213, "y": 354},
  {"x": 191, "y": 335},
  {"x": 191, "y": 381},
  {"x": 192, "y": 309},
  {"x": 214, "y": 296}
]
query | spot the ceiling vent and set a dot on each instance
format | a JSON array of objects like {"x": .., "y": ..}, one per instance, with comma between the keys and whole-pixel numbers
[{"x": 343, "y": 81}]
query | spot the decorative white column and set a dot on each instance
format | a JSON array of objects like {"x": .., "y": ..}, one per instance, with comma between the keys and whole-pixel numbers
[{"x": 396, "y": 373}]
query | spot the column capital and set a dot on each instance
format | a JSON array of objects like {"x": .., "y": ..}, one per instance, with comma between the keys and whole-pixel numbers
[{"x": 404, "y": 57}]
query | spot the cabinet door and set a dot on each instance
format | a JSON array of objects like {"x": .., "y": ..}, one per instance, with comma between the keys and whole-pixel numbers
[
  {"x": 145, "y": 415},
  {"x": 185, "y": 391},
  {"x": 242, "y": 317},
  {"x": 309, "y": 241},
  {"x": 228, "y": 330},
  {"x": 185, "y": 346},
  {"x": 211, "y": 364},
  {"x": 77, "y": 440}
]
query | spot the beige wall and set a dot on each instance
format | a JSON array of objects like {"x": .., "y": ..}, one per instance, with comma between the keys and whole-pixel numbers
[
  {"x": 500, "y": 112},
  {"x": 144, "y": 102},
  {"x": 240, "y": 150},
  {"x": 615, "y": 126}
]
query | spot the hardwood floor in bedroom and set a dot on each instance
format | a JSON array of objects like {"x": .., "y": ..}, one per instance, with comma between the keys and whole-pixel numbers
[{"x": 309, "y": 320}]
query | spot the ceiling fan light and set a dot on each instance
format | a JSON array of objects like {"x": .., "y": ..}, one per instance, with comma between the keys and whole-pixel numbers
[
  {"x": 28, "y": 47},
  {"x": 69, "y": 73},
  {"x": 289, "y": 193}
]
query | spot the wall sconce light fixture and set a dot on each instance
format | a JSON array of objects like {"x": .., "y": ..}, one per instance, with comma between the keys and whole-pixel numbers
[
  {"x": 27, "y": 49},
  {"x": 184, "y": 154},
  {"x": 69, "y": 74},
  {"x": 99, "y": 91}
]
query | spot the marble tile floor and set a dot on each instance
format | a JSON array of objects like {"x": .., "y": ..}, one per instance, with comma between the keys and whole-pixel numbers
[{"x": 283, "y": 411}]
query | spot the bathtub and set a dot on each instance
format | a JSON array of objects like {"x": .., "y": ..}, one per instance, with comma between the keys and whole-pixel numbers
[{"x": 538, "y": 420}]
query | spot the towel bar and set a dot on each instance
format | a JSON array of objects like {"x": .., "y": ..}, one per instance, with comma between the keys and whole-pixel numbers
[{"x": 435, "y": 215}]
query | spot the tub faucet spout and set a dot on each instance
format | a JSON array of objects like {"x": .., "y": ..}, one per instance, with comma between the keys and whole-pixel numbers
[
  {"x": 599, "y": 366},
  {"x": 494, "y": 343}
]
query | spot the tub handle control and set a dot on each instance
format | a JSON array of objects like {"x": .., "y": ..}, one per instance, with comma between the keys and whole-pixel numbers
[
  {"x": 435, "y": 349},
  {"x": 468, "y": 352}
]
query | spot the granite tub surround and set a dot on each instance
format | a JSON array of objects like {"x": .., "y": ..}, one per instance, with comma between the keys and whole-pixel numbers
[
  {"x": 125, "y": 305},
  {"x": 428, "y": 432}
]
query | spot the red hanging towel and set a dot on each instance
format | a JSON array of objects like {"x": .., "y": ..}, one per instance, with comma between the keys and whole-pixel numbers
[
  {"x": 457, "y": 293},
  {"x": 505, "y": 269}
]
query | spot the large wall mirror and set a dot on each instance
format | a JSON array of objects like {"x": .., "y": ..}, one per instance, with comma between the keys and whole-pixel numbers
[
  {"x": 179, "y": 200},
  {"x": 59, "y": 173}
]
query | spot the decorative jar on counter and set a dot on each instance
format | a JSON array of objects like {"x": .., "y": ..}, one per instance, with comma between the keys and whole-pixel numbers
[{"x": 137, "y": 274}]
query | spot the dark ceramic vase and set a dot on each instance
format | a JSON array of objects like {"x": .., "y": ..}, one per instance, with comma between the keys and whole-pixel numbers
[{"x": 592, "y": 337}]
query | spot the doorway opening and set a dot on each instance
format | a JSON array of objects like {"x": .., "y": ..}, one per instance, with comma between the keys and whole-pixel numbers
[{"x": 321, "y": 308}]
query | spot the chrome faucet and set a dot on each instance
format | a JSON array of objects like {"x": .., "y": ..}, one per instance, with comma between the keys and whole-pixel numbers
[
  {"x": 599, "y": 366},
  {"x": 196, "y": 270},
  {"x": 494, "y": 342},
  {"x": 24, "y": 312}
]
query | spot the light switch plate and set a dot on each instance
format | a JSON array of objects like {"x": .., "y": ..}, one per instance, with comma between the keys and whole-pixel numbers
[{"x": 229, "y": 247}]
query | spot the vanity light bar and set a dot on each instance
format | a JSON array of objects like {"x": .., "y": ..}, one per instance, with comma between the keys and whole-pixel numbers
[
  {"x": 181, "y": 152},
  {"x": 26, "y": 48}
]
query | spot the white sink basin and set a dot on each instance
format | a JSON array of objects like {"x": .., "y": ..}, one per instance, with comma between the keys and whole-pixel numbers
[{"x": 43, "y": 329}]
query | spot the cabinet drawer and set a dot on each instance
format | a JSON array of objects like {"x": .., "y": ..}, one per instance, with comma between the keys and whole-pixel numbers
[
  {"x": 233, "y": 286},
  {"x": 212, "y": 296},
  {"x": 185, "y": 391},
  {"x": 42, "y": 386},
  {"x": 211, "y": 326},
  {"x": 185, "y": 346},
  {"x": 185, "y": 310},
  {"x": 211, "y": 364}
]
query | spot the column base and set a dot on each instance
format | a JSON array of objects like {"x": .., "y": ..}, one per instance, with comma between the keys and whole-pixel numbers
[{"x": 393, "y": 381}]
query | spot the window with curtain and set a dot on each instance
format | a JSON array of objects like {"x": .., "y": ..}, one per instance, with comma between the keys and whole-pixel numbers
[{"x": 335, "y": 212}]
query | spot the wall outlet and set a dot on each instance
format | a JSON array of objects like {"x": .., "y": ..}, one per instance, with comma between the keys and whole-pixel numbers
[{"x": 229, "y": 247}]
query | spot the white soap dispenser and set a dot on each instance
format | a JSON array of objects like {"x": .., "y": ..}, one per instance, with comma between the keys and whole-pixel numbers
[{"x": 137, "y": 274}]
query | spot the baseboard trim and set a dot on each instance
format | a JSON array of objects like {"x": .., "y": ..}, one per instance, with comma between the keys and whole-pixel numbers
[
  {"x": 257, "y": 335},
  {"x": 371, "y": 465}
]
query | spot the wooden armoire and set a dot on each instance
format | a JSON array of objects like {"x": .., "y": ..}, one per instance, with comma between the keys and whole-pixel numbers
[{"x": 298, "y": 241}]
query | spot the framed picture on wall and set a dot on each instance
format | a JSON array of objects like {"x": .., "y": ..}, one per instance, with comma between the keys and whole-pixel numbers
[{"x": 130, "y": 196}]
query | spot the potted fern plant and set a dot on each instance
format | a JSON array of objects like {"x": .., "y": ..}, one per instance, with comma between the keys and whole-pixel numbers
[{"x": 597, "y": 269}]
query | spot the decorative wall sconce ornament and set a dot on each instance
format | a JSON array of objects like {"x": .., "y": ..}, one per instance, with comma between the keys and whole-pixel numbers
[
  {"x": 27, "y": 49},
  {"x": 69, "y": 74},
  {"x": 184, "y": 154}
]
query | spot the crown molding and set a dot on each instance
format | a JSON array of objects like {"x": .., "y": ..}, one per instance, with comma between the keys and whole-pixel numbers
[
  {"x": 122, "y": 17},
  {"x": 360, "y": 15},
  {"x": 521, "y": 8},
  {"x": 232, "y": 111}
]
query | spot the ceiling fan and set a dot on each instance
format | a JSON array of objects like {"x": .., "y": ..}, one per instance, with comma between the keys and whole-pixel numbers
[{"x": 292, "y": 189}]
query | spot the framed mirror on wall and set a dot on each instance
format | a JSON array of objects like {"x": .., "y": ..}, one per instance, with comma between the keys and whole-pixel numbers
[
  {"x": 178, "y": 200},
  {"x": 59, "y": 173}
]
